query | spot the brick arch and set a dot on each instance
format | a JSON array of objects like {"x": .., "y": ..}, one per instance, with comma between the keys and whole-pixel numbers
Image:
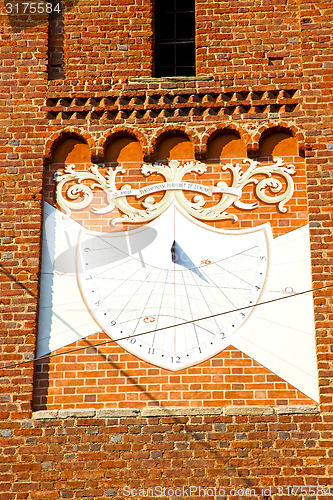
[
  {"x": 216, "y": 130},
  {"x": 282, "y": 127},
  {"x": 224, "y": 131},
  {"x": 51, "y": 165},
  {"x": 172, "y": 131},
  {"x": 118, "y": 133},
  {"x": 72, "y": 133}
]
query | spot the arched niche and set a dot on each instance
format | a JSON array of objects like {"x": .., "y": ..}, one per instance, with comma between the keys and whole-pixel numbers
[
  {"x": 226, "y": 144},
  {"x": 123, "y": 150},
  {"x": 71, "y": 150},
  {"x": 278, "y": 143},
  {"x": 67, "y": 149},
  {"x": 174, "y": 147}
]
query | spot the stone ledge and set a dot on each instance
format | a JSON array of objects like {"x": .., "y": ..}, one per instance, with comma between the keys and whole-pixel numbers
[
  {"x": 304, "y": 409},
  {"x": 178, "y": 411},
  {"x": 117, "y": 412},
  {"x": 175, "y": 411},
  {"x": 45, "y": 414},
  {"x": 249, "y": 410},
  {"x": 77, "y": 413},
  {"x": 170, "y": 79}
]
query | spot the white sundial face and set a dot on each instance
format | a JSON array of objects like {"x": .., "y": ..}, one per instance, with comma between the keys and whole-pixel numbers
[{"x": 172, "y": 272}]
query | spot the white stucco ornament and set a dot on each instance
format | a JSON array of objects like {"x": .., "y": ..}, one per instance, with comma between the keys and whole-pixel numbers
[{"x": 272, "y": 183}]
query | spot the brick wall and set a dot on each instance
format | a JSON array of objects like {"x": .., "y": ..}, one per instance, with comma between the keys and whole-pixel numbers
[
  {"x": 317, "y": 50},
  {"x": 262, "y": 64},
  {"x": 110, "y": 377},
  {"x": 100, "y": 454}
]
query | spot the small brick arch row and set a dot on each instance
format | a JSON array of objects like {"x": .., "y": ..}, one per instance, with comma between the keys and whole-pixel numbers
[{"x": 218, "y": 141}]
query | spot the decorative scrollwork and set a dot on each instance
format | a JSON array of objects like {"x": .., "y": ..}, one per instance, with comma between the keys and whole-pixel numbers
[{"x": 274, "y": 186}]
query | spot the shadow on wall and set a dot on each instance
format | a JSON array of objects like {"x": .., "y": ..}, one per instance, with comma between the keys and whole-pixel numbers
[
  {"x": 227, "y": 144},
  {"x": 124, "y": 147},
  {"x": 68, "y": 149},
  {"x": 277, "y": 144},
  {"x": 27, "y": 15}
]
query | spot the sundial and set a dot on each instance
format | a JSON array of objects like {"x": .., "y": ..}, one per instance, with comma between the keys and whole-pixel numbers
[
  {"x": 172, "y": 289},
  {"x": 182, "y": 272}
]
